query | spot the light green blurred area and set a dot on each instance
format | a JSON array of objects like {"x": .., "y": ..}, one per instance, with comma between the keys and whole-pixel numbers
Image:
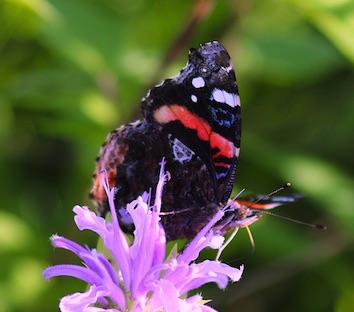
[{"x": 71, "y": 71}]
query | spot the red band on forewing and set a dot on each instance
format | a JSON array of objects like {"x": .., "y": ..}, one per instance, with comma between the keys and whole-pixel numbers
[
  {"x": 169, "y": 113},
  {"x": 226, "y": 148}
]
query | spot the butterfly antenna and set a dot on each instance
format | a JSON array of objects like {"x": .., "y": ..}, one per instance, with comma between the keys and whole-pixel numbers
[
  {"x": 238, "y": 194},
  {"x": 267, "y": 212},
  {"x": 312, "y": 225},
  {"x": 283, "y": 187}
]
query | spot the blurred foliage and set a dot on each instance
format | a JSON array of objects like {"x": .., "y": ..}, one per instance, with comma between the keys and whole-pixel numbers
[{"x": 70, "y": 71}]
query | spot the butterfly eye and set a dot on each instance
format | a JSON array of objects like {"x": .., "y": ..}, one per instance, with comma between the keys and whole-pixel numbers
[{"x": 205, "y": 71}]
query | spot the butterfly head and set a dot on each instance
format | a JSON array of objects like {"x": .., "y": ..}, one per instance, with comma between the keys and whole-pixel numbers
[{"x": 238, "y": 215}]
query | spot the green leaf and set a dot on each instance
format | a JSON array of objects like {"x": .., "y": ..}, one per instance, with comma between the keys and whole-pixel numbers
[{"x": 335, "y": 19}]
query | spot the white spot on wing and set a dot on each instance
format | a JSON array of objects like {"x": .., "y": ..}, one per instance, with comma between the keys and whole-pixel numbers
[
  {"x": 225, "y": 97},
  {"x": 229, "y": 68},
  {"x": 230, "y": 99},
  {"x": 238, "y": 102},
  {"x": 218, "y": 96},
  {"x": 283, "y": 199},
  {"x": 237, "y": 151},
  {"x": 198, "y": 82},
  {"x": 194, "y": 98},
  {"x": 181, "y": 152}
]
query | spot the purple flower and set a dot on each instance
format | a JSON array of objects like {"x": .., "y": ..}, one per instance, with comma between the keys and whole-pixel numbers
[{"x": 137, "y": 276}]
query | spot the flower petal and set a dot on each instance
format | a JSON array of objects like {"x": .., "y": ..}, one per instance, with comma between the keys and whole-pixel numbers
[
  {"x": 165, "y": 297},
  {"x": 114, "y": 239},
  {"x": 77, "y": 271},
  {"x": 207, "y": 272},
  {"x": 203, "y": 239},
  {"x": 80, "y": 302}
]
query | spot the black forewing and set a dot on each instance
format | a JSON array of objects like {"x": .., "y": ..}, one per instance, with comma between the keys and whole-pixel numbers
[{"x": 214, "y": 125}]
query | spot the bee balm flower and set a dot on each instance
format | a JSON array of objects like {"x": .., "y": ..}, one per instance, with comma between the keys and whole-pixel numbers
[{"x": 137, "y": 276}]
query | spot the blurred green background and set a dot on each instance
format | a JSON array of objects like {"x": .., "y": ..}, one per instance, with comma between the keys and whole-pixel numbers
[{"x": 71, "y": 71}]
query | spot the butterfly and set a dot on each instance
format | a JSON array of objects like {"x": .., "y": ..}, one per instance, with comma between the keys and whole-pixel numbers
[{"x": 193, "y": 121}]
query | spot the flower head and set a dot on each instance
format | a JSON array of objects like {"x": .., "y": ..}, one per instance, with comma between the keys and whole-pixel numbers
[{"x": 136, "y": 276}]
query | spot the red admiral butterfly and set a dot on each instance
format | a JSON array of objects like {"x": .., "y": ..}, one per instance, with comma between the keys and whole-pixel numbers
[{"x": 193, "y": 120}]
